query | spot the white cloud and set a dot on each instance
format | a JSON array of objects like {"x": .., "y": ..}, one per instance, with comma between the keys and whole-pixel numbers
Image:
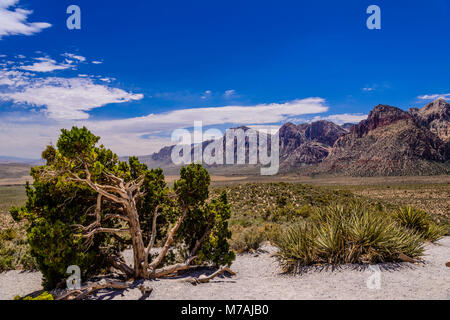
[
  {"x": 97, "y": 62},
  {"x": 229, "y": 93},
  {"x": 13, "y": 78},
  {"x": 74, "y": 57},
  {"x": 343, "y": 118},
  {"x": 126, "y": 136},
  {"x": 444, "y": 96},
  {"x": 368, "y": 89},
  {"x": 46, "y": 65},
  {"x": 68, "y": 98},
  {"x": 14, "y": 20},
  {"x": 184, "y": 118}
]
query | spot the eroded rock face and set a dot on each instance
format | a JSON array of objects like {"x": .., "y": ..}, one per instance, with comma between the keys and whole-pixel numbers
[
  {"x": 389, "y": 142},
  {"x": 307, "y": 144},
  {"x": 436, "y": 117},
  {"x": 380, "y": 116},
  {"x": 392, "y": 142}
]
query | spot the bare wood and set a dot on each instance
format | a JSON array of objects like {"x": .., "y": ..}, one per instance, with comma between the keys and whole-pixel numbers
[
  {"x": 119, "y": 264},
  {"x": 105, "y": 230},
  {"x": 204, "y": 279},
  {"x": 169, "y": 241},
  {"x": 162, "y": 272},
  {"x": 116, "y": 216},
  {"x": 82, "y": 293}
]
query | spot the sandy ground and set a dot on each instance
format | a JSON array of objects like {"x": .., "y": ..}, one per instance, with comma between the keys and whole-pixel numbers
[{"x": 258, "y": 277}]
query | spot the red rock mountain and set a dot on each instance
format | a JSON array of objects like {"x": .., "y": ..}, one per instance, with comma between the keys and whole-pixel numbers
[
  {"x": 389, "y": 142},
  {"x": 394, "y": 142}
]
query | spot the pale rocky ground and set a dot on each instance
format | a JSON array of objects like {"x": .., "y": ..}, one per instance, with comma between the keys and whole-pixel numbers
[{"x": 258, "y": 277}]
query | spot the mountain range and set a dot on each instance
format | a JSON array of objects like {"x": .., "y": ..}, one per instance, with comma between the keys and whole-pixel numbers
[{"x": 389, "y": 142}]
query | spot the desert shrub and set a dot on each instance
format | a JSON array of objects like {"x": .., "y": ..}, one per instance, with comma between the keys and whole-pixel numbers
[
  {"x": 247, "y": 239},
  {"x": 420, "y": 222},
  {"x": 250, "y": 239},
  {"x": 15, "y": 252},
  {"x": 52, "y": 209},
  {"x": 43, "y": 296},
  {"x": 8, "y": 234},
  {"x": 356, "y": 233}
]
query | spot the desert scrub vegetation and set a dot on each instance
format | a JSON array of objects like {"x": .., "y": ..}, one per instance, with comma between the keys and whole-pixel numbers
[
  {"x": 355, "y": 233},
  {"x": 421, "y": 222},
  {"x": 261, "y": 210},
  {"x": 249, "y": 239},
  {"x": 259, "y": 207},
  {"x": 14, "y": 249}
]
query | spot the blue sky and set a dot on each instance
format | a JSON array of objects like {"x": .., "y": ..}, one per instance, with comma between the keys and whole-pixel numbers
[{"x": 139, "y": 69}]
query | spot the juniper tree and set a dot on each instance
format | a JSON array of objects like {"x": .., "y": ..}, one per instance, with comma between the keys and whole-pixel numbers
[{"x": 85, "y": 206}]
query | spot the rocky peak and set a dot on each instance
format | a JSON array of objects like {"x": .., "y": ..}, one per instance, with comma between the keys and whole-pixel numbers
[
  {"x": 380, "y": 116},
  {"x": 436, "y": 117},
  {"x": 324, "y": 132}
]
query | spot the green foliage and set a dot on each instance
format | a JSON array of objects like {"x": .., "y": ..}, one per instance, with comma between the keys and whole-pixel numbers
[
  {"x": 59, "y": 204},
  {"x": 8, "y": 234},
  {"x": 43, "y": 296},
  {"x": 419, "y": 221},
  {"x": 204, "y": 218},
  {"x": 357, "y": 233},
  {"x": 53, "y": 207}
]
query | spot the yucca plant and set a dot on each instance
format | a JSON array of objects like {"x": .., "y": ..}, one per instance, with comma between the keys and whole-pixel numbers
[
  {"x": 356, "y": 233},
  {"x": 420, "y": 222},
  {"x": 297, "y": 247}
]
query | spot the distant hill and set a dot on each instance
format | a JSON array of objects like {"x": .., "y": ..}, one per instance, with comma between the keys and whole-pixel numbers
[{"x": 7, "y": 160}]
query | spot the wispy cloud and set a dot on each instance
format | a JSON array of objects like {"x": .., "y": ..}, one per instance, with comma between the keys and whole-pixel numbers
[
  {"x": 343, "y": 118},
  {"x": 142, "y": 135},
  {"x": 74, "y": 57},
  {"x": 434, "y": 96},
  {"x": 46, "y": 65},
  {"x": 183, "y": 118},
  {"x": 58, "y": 97},
  {"x": 68, "y": 98},
  {"x": 14, "y": 21},
  {"x": 229, "y": 93}
]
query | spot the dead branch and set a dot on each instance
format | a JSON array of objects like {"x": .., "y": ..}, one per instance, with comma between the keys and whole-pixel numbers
[
  {"x": 105, "y": 230},
  {"x": 79, "y": 294},
  {"x": 204, "y": 279},
  {"x": 169, "y": 241},
  {"x": 119, "y": 264}
]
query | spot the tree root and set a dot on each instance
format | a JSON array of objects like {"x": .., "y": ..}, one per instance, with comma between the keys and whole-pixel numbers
[
  {"x": 79, "y": 294},
  {"x": 205, "y": 279}
]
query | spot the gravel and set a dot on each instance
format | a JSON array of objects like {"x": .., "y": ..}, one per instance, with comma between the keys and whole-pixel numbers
[{"x": 258, "y": 277}]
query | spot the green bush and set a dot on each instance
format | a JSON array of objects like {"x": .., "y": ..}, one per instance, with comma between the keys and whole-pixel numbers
[
  {"x": 43, "y": 296},
  {"x": 250, "y": 239},
  {"x": 15, "y": 253},
  {"x": 420, "y": 222},
  {"x": 353, "y": 234},
  {"x": 8, "y": 234},
  {"x": 51, "y": 211}
]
